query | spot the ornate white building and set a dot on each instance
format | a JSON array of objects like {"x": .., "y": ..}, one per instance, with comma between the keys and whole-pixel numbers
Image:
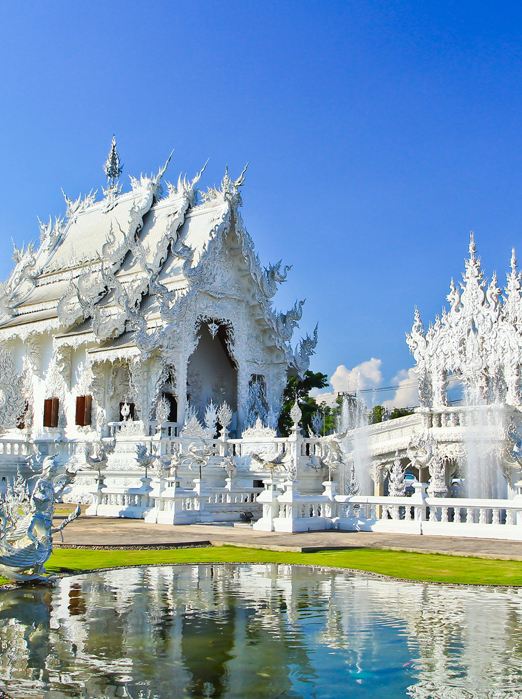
[
  {"x": 475, "y": 345},
  {"x": 149, "y": 304},
  {"x": 139, "y": 342}
]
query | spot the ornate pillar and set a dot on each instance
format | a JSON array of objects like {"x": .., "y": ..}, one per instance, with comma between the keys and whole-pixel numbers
[
  {"x": 138, "y": 386},
  {"x": 181, "y": 382},
  {"x": 440, "y": 386},
  {"x": 97, "y": 387},
  {"x": 243, "y": 378},
  {"x": 378, "y": 472},
  {"x": 437, "y": 470}
]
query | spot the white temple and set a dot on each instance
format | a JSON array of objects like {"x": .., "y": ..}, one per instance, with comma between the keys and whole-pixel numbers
[
  {"x": 143, "y": 307},
  {"x": 139, "y": 344}
]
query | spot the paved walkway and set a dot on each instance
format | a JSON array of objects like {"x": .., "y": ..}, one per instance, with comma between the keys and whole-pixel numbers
[{"x": 130, "y": 533}]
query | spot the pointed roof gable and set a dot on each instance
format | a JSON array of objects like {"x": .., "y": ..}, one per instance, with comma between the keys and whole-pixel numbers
[{"x": 124, "y": 263}]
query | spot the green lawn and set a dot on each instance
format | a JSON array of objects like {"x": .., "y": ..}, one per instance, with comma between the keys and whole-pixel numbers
[{"x": 411, "y": 566}]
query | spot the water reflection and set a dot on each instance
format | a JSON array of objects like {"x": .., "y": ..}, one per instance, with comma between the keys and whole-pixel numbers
[{"x": 260, "y": 631}]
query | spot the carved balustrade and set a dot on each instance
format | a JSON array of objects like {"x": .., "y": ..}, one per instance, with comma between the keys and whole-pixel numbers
[
  {"x": 467, "y": 415},
  {"x": 235, "y": 496},
  {"x": 123, "y": 501},
  {"x": 15, "y": 448},
  {"x": 291, "y": 512},
  {"x": 499, "y": 519},
  {"x": 168, "y": 429},
  {"x": 173, "y": 505}
]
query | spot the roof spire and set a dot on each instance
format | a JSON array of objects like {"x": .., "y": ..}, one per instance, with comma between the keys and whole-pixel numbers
[
  {"x": 112, "y": 166},
  {"x": 472, "y": 248}
]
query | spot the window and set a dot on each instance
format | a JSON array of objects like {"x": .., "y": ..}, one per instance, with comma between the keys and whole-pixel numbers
[
  {"x": 131, "y": 414},
  {"x": 258, "y": 484},
  {"x": 51, "y": 407},
  {"x": 83, "y": 410}
]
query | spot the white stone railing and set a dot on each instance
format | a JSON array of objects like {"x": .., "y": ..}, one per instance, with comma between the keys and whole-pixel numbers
[
  {"x": 15, "y": 448},
  {"x": 176, "y": 506},
  {"x": 495, "y": 519},
  {"x": 173, "y": 505},
  {"x": 465, "y": 415},
  {"x": 180, "y": 445},
  {"x": 133, "y": 503},
  {"x": 18, "y": 450},
  {"x": 165, "y": 503},
  {"x": 224, "y": 496},
  {"x": 289, "y": 511},
  {"x": 168, "y": 429}
]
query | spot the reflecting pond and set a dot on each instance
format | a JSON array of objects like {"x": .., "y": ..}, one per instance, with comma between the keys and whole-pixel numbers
[{"x": 258, "y": 631}]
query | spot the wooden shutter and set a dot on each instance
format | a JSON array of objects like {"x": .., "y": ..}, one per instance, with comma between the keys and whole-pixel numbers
[
  {"x": 88, "y": 410},
  {"x": 55, "y": 408},
  {"x": 80, "y": 410},
  {"x": 48, "y": 410},
  {"x": 83, "y": 410},
  {"x": 51, "y": 408}
]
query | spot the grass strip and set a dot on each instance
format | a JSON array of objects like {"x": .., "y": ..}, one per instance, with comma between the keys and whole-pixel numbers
[{"x": 426, "y": 567}]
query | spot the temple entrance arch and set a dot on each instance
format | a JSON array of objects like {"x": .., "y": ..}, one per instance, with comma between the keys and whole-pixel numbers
[{"x": 212, "y": 367}]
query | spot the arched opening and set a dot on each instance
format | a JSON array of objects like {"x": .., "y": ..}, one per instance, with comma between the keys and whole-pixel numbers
[
  {"x": 455, "y": 388},
  {"x": 212, "y": 371},
  {"x": 168, "y": 392},
  {"x": 173, "y": 405},
  {"x": 257, "y": 406}
]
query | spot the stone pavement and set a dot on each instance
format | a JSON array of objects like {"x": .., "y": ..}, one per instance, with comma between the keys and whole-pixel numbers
[{"x": 135, "y": 533}]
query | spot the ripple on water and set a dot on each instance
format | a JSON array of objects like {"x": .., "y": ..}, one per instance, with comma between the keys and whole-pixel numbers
[{"x": 258, "y": 631}]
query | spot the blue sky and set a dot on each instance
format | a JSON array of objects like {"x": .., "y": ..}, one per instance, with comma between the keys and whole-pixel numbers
[{"x": 378, "y": 134}]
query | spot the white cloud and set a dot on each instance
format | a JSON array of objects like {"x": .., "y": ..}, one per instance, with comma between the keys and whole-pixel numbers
[
  {"x": 406, "y": 394},
  {"x": 365, "y": 375},
  {"x": 368, "y": 375},
  {"x": 326, "y": 398}
]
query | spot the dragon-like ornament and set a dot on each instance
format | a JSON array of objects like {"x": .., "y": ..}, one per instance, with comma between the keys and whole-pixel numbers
[{"x": 26, "y": 524}]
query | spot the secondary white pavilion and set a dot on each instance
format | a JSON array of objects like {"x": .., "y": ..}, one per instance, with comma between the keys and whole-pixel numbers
[{"x": 475, "y": 347}]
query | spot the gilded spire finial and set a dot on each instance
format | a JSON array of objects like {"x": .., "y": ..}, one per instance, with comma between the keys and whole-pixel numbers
[{"x": 113, "y": 168}]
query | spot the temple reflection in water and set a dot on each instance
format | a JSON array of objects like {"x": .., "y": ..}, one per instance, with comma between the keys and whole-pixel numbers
[{"x": 257, "y": 631}]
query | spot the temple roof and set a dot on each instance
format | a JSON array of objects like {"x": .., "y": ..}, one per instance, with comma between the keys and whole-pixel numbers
[{"x": 123, "y": 263}]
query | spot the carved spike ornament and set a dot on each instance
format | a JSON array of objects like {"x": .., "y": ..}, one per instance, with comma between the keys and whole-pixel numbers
[{"x": 479, "y": 340}]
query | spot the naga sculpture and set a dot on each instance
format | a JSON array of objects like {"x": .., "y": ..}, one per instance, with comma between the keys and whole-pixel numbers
[{"x": 26, "y": 524}]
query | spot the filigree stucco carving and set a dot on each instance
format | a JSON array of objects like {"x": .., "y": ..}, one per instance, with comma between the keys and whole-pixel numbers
[
  {"x": 479, "y": 339},
  {"x": 12, "y": 399}
]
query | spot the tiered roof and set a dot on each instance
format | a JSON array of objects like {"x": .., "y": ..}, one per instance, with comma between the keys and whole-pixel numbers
[{"x": 119, "y": 268}]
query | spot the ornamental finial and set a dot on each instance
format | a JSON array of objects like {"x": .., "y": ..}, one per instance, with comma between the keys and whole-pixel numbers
[
  {"x": 472, "y": 248},
  {"x": 112, "y": 166},
  {"x": 513, "y": 260}
]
